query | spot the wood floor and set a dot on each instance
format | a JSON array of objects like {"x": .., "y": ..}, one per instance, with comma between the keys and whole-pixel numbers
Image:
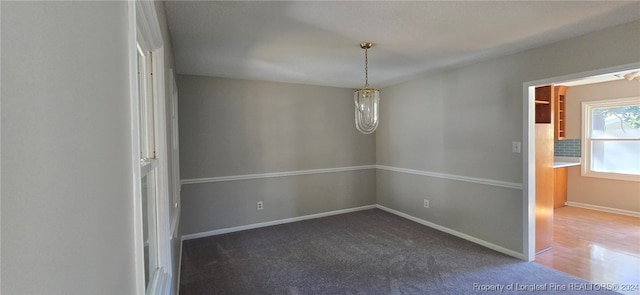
[{"x": 596, "y": 246}]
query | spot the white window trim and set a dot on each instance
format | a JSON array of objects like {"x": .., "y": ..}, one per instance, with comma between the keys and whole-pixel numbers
[
  {"x": 587, "y": 108},
  {"x": 144, "y": 31},
  {"x": 175, "y": 153},
  {"x": 162, "y": 156}
]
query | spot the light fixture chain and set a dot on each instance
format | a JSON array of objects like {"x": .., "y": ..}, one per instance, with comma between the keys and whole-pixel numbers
[{"x": 366, "y": 68}]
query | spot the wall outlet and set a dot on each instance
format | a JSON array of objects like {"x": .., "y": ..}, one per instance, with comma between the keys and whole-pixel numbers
[
  {"x": 426, "y": 203},
  {"x": 260, "y": 205}
]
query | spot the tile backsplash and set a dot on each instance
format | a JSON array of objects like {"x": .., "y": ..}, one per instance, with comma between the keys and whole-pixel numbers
[{"x": 567, "y": 148}]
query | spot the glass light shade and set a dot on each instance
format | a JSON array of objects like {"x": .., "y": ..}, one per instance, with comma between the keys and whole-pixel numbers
[{"x": 366, "y": 101}]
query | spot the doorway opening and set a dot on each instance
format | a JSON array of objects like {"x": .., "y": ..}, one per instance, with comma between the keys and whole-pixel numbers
[{"x": 529, "y": 150}]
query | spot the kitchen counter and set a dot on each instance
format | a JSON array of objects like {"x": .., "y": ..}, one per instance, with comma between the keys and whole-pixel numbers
[{"x": 559, "y": 162}]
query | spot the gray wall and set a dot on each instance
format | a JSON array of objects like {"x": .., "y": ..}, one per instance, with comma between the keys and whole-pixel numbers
[
  {"x": 210, "y": 206},
  {"x": 462, "y": 122},
  {"x": 459, "y": 122},
  {"x": 237, "y": 127},
  {"x": 67, "y": 225}
]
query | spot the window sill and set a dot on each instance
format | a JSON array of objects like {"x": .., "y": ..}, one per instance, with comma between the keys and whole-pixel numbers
[{"x": 612, "y": 176}]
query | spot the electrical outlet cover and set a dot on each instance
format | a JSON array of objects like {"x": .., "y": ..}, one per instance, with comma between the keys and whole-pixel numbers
[{"x": 516, "y": 147}]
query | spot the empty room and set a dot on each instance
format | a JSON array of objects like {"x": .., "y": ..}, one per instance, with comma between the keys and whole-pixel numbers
[{"x": 320, "y": 147}]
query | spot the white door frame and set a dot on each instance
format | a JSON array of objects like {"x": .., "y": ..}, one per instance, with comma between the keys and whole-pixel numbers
[{"x": 529, "y": 160}]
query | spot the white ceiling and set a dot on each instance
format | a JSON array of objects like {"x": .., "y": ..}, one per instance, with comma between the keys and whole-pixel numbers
[{"x": 318, "y": 42}]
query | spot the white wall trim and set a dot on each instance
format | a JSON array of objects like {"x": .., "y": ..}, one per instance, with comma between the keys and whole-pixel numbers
[
  {"x": 275, "y": 174},
  {"x": 274, "y": 222},
  {"x": 454, "y": 233},
  {"x": 604, "y": 209},
  {"x": 485, "y": 181}
]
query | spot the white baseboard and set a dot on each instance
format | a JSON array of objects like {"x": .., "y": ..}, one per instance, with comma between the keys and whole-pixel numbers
[
  {"x": 454, "y": 233},
  {"x": 349, "y": 210},
  {"x": 604, "y": 209},
  {"x": 274, "y": 222}
]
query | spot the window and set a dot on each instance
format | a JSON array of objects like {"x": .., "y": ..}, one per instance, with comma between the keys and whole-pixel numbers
[
  {"x": 149, "y": 143},
  {"x": 148, "y": 166},
  {"x": 611, "y": 145},
  {"x": 146, "y": 107}
]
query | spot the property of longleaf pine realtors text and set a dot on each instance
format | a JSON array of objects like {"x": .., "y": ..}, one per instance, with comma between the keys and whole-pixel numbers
[{"x": 554, "y": 287}]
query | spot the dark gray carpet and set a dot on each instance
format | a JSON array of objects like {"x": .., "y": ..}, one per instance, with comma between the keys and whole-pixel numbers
[{"x": 366, "y": 252}]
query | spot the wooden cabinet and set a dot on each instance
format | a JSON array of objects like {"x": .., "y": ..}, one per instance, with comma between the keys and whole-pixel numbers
[
  {"x": 550, "y": 108},
  {"x": 544, "y": 104},
  {"x": 560, "y": 186},
  {"x": 551, "y": 184},
  {"x": 544, "y": 187},
  {"x": 559, "y": 115}
]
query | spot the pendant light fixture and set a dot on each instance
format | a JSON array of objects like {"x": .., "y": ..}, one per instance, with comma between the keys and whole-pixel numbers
[{"x": 366, "y": 99}]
